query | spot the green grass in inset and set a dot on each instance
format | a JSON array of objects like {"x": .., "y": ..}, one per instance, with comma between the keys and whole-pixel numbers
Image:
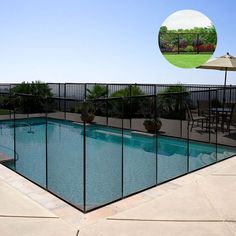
[{"x": 187, "y": 60}]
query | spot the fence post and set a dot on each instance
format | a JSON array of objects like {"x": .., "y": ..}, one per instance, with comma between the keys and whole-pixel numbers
[
  {"x": 84, "y": 160},
  {"x": 198, "y": 43},
  {"x": 181, "y": 118},
  {"x": 178, "y": 42},
  {"x": 122, "y": 150},
  {"x": 188, "y": 135},
  {"x": 216, "y": 129},
  {"x": 85, "y": 91},
  {"x": 107, "y": 104},
  {"x": 14, "y": 117},
  {"x": 209, "y": 113},
  {"x": 156, "y": 148},
  {"x": 46, "y": 141},
  {"x": 130, "y": 105},
  {"x": 59, "y": 94},
  {"x": 65, "y": 101}
]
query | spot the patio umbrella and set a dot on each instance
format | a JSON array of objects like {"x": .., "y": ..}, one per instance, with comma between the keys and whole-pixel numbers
[{"x": 225, "y": 63}]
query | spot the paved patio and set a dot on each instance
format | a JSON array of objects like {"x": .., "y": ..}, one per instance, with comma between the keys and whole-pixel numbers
[{"x": 201, "y": 203}]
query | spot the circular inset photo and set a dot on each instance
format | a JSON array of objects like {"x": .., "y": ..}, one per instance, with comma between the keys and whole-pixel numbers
[{"x": 187, "y": 39}]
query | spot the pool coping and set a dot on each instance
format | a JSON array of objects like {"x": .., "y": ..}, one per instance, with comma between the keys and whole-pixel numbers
[{"x": 78, "y": 219}]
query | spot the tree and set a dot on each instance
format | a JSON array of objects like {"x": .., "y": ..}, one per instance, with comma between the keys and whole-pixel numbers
[{"x": 163, "y": 29}]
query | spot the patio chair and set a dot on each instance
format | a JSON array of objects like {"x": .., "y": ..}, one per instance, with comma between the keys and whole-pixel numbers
[
  {"x": 195, "y": 119},
  {"x": 231, "y": 121},
  {"x": 204, "y": 108}
]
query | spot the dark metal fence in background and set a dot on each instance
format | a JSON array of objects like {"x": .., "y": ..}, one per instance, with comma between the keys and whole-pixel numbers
[
  {"x": 80, "y": 90},
  {"x": 130, "y": 144}
]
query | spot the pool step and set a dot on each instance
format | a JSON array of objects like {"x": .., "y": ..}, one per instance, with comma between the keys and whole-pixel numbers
[
  {"x": 81, "y": 123},
  {"x": 4, "y": 158},
  {"x": 143, "y": 133},
  {"x": 112, "y": 133}
]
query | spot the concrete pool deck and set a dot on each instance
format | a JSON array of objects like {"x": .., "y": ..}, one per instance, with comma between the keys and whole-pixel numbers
[{"x": 200, "y": 203}]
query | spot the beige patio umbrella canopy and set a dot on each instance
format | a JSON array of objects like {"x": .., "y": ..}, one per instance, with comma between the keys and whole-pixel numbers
[{"x": 225, "y": 63}]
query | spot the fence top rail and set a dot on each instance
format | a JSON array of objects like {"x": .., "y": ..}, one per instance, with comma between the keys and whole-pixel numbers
[
  {"x": 131, "y": 84},
  {"x": 46, "y": 97},
  {"x": 140, "y": 84},
  {"x": 4, "y": 93}
]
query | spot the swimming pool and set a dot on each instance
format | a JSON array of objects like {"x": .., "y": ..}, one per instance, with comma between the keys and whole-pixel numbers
[{"x": 90, "y": 167}]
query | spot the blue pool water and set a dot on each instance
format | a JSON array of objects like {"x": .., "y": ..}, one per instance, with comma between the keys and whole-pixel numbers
[{"x": 146, "y": 160}]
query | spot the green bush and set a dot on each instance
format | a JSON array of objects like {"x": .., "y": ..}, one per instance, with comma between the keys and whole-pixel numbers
[
  {"x": 189, "y": 49},
  {"x": 172, "y": 102},
  {"x": 4, "y": 102},
  {"x": 132, "y": 90},
  {"x": 5, "y": 106},
  {"x": 32, "y": 104},
  {"x": 130, "y": 106}
]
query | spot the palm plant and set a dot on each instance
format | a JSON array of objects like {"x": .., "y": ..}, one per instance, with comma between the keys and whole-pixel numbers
[
  {"x": 172, "y": 102},
  {"x": 130, "y": 106},
  {"x": 97, "y": 91}
]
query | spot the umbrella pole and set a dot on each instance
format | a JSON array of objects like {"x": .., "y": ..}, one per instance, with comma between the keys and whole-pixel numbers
[{"x": 226, "y": 70}]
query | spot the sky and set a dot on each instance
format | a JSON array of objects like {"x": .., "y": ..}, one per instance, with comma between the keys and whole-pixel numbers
[
  {"x": 186, "y": 19},
  {"x": 102, "y": 41}
]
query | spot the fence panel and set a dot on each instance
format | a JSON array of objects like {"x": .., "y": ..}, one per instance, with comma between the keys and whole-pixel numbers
[
  {"x": 30, "y": 138},
  {"x": 172, "y": 148},
  {"x": 202, "y": 129},
  {"x": 75, "y": 91},
  {"x": 103, "y": 165},
  {"x": 226, "y": 120},
  {"x": 7, "y": 153},
  {"x": 65, "y": 154},
  {"x": 139, "y": 145}
]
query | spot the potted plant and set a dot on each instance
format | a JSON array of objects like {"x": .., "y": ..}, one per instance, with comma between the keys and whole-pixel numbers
[
  {"x": 152, "y": 125},
  {"x": 87, "y": 112}
]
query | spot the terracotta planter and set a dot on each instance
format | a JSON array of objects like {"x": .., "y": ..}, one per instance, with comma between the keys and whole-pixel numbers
[
  {"x": 88, "y": 118},
  {"x": 152, "y": 126}
]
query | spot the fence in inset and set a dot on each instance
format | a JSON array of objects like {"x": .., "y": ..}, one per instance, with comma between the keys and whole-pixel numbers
[{"x": 187, "y": 42}]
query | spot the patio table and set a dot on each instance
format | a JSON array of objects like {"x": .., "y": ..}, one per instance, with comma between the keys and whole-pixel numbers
[
  {"x": 221, "y": 109},
  {"x": 222, "y": 112}
]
